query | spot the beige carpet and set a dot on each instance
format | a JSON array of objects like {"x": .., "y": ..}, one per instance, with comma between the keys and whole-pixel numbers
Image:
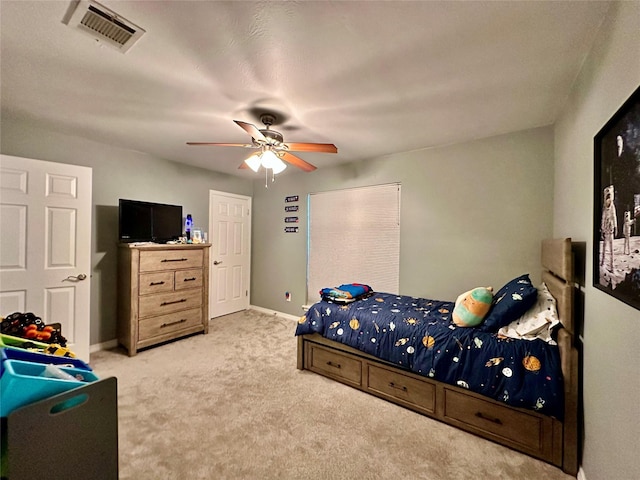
[{"x": 232, "y": 405}]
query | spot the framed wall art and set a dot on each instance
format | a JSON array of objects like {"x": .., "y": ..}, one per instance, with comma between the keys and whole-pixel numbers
[{"x": 616, "y": 233}]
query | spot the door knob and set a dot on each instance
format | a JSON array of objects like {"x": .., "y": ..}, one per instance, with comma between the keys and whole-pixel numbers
[
  {"x": 76, "y": 278},
  {"x": 215, "y": 262}
]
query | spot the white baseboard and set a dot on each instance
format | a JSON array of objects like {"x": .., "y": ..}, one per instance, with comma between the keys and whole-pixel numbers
[
  {"x": 581, "y": 475},
  {"x": 274, "y": 312},
  {"x": 96, "y": 347}
]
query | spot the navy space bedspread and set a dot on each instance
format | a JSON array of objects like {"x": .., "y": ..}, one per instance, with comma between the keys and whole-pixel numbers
[{"x": 419, "y": 335}]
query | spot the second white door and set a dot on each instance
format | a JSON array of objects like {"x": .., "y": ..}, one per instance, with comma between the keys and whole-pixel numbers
[{"x": 230, "y": 236}]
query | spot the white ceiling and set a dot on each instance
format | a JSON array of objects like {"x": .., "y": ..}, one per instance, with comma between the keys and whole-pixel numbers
[{"x": 373, "y": 78}]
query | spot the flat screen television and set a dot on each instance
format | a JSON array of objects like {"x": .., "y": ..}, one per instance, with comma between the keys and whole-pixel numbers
[{"x": 149, "y": 222}]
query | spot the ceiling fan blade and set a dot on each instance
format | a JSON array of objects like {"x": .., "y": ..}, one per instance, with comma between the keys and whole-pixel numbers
[
  {"x": 245, "y": 145},
  {"x": 297, "y": 161},
  {"x": 251, "y": 130},
  {"x": 312, "y": 147}
]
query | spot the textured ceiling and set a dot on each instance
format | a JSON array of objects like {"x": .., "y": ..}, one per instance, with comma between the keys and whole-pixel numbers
[{"x": 373, "y": 78}]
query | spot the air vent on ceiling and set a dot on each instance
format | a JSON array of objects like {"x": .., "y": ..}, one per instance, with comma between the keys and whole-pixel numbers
[{"x": 105, "y": 25}]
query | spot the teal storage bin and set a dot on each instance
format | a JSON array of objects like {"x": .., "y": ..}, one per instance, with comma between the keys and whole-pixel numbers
[{"x": 22, "y": 383}]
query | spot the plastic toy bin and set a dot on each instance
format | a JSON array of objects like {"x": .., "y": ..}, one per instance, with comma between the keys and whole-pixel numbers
[
  {"x": 72, "y": 435},
  {"x": 10, "y": 341},
  {"x": 23, "y": 383},
  {"x": 37, "y": 357}
]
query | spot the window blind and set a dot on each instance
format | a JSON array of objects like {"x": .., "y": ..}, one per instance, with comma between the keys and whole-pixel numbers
[{"x": 354, "y": 237}]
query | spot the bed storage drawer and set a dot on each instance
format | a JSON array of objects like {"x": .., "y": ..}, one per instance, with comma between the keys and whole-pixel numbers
[
  {"x": 336, "y": 365},
  {"x": 505, "y": 423},
  {"x": 401, "y": 388}
]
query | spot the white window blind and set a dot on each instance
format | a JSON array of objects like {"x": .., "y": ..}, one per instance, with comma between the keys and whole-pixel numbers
[{"x": 354, "y": 237}]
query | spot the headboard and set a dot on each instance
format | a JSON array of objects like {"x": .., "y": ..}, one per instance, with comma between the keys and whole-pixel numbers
[{"x": 557, "y": 274}]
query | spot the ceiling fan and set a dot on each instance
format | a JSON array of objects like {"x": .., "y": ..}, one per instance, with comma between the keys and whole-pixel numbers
[{"x": 273, "y": 149}]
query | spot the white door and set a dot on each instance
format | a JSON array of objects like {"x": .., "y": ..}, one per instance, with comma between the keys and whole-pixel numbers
[
  {"x": 230, "y": 237},
  {"x": 45, "y": 252}
]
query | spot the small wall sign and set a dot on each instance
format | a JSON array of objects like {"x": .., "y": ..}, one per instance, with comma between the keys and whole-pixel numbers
[
  {"x": 291, "y": 208},
  {"x": 291, "y": 229},
  {"x": 290, "y": 219},
  {"x": 292, "y": 198}
]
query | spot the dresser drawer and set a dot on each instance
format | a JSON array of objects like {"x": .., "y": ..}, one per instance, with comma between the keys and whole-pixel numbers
[
  {"x": 519, "y": 427},
  {"x": 173, "y": 322},
  {"x": 402, "y": 387},
  {"x": 152, "y": 305},
  {"x": 331, "y": 363},
  {"x": 188, "y": 279},
  {"x": 155, "y": 283},
  {"x": 152, "y": 260}
]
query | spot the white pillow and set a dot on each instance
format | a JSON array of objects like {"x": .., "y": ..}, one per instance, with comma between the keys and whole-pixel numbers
[{"x": 537, "y": 322}]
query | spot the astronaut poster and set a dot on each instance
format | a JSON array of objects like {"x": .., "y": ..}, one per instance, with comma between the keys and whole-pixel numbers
[{"x": 616, "y": 245}]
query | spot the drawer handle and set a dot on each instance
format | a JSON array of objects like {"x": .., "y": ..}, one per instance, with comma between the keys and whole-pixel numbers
[
  {"x": 182, "y": 300},
  {"x": 189, "y": 279},
  {"x": 173, "y": 260},
  {"x": 398, "y": 387},
  {"x": 152, "y": 284},
  {"x": 173, "y": 323},
  {"x": 335, "y": 365},
  {"x": 495, "y": 420}
]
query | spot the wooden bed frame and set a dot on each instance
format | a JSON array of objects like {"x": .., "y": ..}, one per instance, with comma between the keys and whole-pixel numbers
[{"x": 526, "y": 431}]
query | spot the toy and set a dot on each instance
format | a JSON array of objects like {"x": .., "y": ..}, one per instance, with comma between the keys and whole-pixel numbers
[
  {"x": 29, "y": 326},
  {"x": 55, "y": 349},
  {"x": 471, "y": 307}
]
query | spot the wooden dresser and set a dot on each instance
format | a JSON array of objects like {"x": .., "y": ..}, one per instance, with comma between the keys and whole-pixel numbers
[{"x": 163, "y": 293}]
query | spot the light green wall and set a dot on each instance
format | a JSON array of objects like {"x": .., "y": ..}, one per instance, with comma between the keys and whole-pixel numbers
[
  {"x": 611, "y": 329},
  {"x": 118, "y": 173},
  {"x": 471, "y": 214}
]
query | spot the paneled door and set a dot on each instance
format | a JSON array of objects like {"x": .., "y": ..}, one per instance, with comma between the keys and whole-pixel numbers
[
  {"x": 45, "y": 252},
  {"x": 230, "y": 236}
]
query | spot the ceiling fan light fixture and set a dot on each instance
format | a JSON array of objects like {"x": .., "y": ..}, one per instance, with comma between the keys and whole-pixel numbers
[
  {"x": 254, "y": 162},
  {"x": 271, "y": 161}
]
